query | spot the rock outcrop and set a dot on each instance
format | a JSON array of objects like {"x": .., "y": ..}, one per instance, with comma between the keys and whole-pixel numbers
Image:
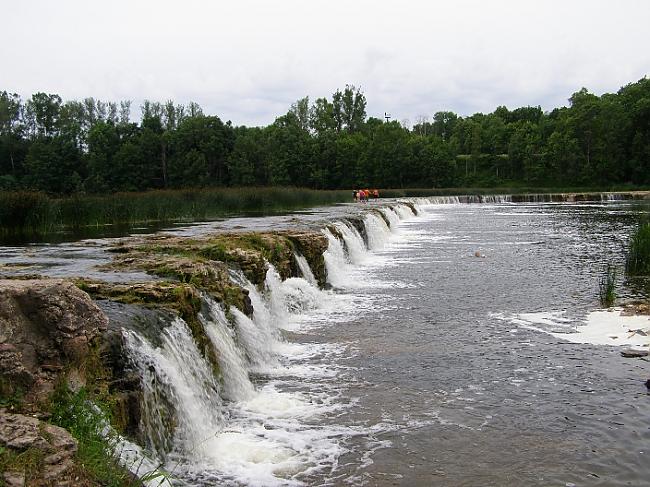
[
  {"x": 53, "y": 448},
  {"x": 205, "y": 261},
  {"x": 46, "y": 326},
  {"x": 53, "y": 335}
]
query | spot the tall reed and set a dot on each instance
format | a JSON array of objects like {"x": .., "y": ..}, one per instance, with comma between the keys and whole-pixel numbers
[
  {"x": 29, "y": 213},
  {"x": 638, "y": 255},
  {"x": 607, "y": 286}
]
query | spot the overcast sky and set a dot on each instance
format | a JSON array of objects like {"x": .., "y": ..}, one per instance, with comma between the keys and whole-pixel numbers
[{"x": 248, "y": 60}]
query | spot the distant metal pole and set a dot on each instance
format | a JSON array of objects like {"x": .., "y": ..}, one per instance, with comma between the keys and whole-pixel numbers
[{"x": 387, "y": 117}]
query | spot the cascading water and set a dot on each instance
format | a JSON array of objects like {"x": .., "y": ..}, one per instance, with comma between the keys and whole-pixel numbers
[
  {"x": 403, "y": 211},
  {"x": 354, "y": 244},
  {"x": 267, "y": 329},
  {"x": 256, "y": 436},
  {"x": 292, "y": 296},
  {"x": 305, "y": 270},
  {"x": 181, "y": 405},
  {"x": 488, "y": 198},
  {"x": 377, "y": 231},
  {"x": 443, "y": 200},
  {"x": 497, "y": 198},
  {"x": 232, "y": 362},
  {"x": 392, "y": 217},
  {"x": 350, "y": 251},
  {"x": 259, "y": 342},
  {"x": 336, "y": 262}
]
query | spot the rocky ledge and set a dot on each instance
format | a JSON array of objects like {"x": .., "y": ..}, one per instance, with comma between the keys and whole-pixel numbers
[
  {"x": 54, "y": 337},
  {"x": 187, "y": 258},
  {"x": 29, "y": 441}
]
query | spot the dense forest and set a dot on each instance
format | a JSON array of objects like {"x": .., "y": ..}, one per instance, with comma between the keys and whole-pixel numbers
[{"x": 92, "y": 146}]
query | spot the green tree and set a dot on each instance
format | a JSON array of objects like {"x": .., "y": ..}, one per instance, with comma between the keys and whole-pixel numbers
[
  {"x": 247, "y": 163},
  {"x": 321, "y": 116},
  {"x": 209, "y": 141},
  {"x": 42, "y": 114},
  {"x": 55, "y": 165},
  {"x": 103, "y": 144}
]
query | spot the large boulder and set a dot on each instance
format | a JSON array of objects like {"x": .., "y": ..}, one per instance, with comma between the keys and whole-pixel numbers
[{"x": 46, "y": 326}]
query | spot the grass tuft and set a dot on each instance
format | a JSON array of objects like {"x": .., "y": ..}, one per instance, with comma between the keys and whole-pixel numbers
[
  {"x": 638, "y": 256},
  {"x": 607, "y": 286},
  {"x": 75, "y": 413}
]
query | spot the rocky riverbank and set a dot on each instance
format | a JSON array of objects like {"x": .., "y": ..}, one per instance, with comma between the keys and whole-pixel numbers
[{"x": 57, "y": 344}]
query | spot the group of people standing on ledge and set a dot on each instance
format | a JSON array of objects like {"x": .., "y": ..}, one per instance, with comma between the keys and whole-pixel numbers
[{"x": 363, "y": 195}]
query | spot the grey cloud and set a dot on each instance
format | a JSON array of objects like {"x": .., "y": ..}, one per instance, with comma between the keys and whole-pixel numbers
[{"x": 247, "y": 61}]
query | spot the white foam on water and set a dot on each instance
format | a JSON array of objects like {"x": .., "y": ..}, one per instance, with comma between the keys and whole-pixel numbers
[
  {"x": 602, "y": 327},
  {"x": 248, "y": 457},
  {"x": 292, "y": 296},
  {"x": 271, "y": 439},
  {"x": 269, "y": 404}
]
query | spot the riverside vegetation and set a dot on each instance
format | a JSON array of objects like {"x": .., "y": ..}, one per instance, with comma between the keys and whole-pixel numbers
[
  {"x": 75, "y": 164},
  {"x": 637, "y": 265},
  {"x": 95, "y": 147},
  {"x": 30, "y": 214},
  {"x": 638, "y": 258}
]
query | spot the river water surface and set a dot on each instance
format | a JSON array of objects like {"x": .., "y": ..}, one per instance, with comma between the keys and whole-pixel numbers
[{"x": 443, "y": 384}]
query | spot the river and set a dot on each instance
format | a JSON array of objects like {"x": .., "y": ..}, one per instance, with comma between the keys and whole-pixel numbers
[{"x": 441, "y": 355}]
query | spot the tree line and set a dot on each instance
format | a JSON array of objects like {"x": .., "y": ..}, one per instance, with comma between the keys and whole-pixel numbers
[{"x": 92, "y": 146}]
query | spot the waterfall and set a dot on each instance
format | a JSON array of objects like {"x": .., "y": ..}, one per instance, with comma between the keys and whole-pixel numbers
[
  {"x": 516, "y": 198},
  {"x": 392, "y": 216},
  {"x": 181, "y": 405},
  {"x": 351, "y": 248},
  {"x": 258, "y": 341},
  {"x": 305, "y": 270},
  {"x": 275, "y": 297},
  {"x": 354, "y": 244},
  {"x": 403, "y": 211},
  {"x": 612, "y": 197},
  {"x": 258, "y": 335},
  {"x": 336, "y": 262},
  {"x": 232, "y": 362},
  {"x": 443, "y": 200},
  {"x": 377, "y": 230},
  {"x": 488, "y": 198}
]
